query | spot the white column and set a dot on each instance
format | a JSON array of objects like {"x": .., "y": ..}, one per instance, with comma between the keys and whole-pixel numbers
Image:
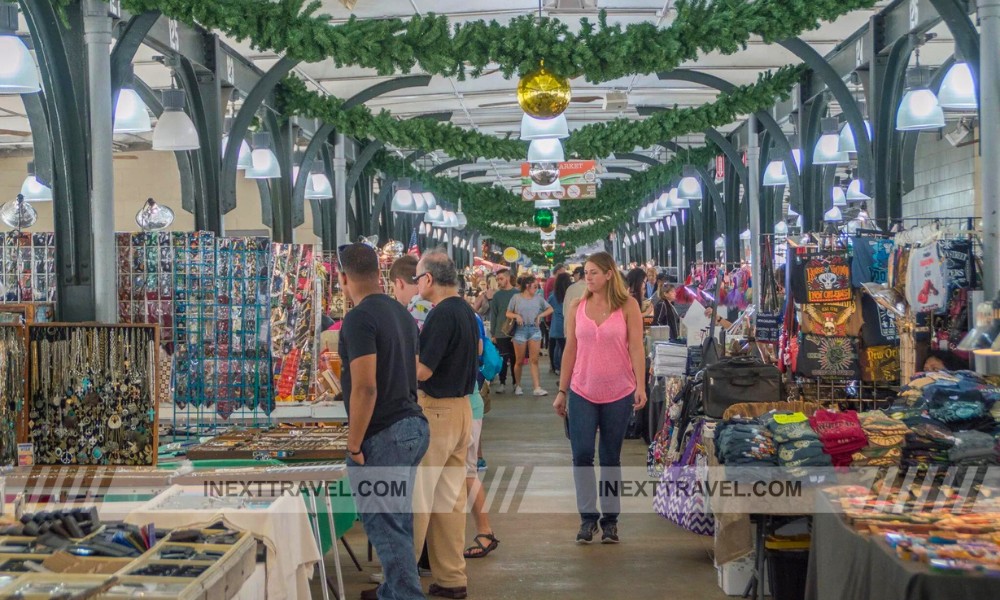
[
  {"x": 753, "y": 167},
  {"x": 989, "y": 135},
  {"x": 340, "y": 192}
]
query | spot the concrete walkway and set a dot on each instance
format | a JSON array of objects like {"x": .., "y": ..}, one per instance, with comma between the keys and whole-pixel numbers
[{"x": 538, "y": 556}]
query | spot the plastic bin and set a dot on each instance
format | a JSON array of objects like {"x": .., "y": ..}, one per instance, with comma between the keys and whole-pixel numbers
[{"x": 787, "y": 571}]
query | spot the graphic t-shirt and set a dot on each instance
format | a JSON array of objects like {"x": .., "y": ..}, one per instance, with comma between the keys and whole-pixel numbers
[
  {"x": 828, "y": 278},
  {"x": 880, "y": 364},
  {"x": 926, "y": 288},
  {"x": 960, "y": 268},
  {"x": 879, "y": 327},
  {"x": 419, "y": 309},
  {"x": 871, "y": 260},
  {"x": 829, "y": 357}
]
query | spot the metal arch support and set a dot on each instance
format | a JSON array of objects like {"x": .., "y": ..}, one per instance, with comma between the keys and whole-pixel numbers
[
  {"x": 240, "y": 126},
  {"x": 844, "y": 97},
  {"x": 908, "y": 166},
  {"x": 129, "y": 40},
  {"x": 889, "y": 92},
  {"x": 63, "y": 67},
  {"x": 784, "y": 148},
  {"x": 204, "y": 98},
  {"x": 955, "y": 15},
  {"x": 361, "y": 97},
  {"x": 451, "y": 164},
  {"x": 812, "y": 209},
  {"x": 38, "y": 120}
]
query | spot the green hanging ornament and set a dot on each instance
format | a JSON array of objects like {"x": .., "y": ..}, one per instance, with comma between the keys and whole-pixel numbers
[
  {"x": 550, "y": 255},
  {"x": 543, "y": 218}
]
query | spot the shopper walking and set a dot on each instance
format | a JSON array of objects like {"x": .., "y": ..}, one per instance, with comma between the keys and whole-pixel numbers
[
  {"x": 528, "y": 309},
  {"x": 405, "y": 289},
  {"x": 557, "y": 333},
  {"x": 665, "y": 314},
  {"x": 499, "y": 301},
  {"x": 484, "y": 542},
  {"x": 635, "y": 280},
  {"x": 604, "y": 361},
  {"x": 388, "y": 434},
  {"x": 446, "y": 370}
]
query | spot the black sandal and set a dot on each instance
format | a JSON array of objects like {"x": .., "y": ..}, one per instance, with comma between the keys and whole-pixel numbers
[{"x": 483, "y": 550}]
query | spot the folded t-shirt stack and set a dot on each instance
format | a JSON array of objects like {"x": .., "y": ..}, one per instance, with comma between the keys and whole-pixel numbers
[
  {"x": 744, "y": 442},
  {"x": 797, "y": 444},
  {"x": 840, "y": 433},
  {"x": 973, "y": 448},
  {"x": 927, "y": 444},
  {"x": 886, "y": 437}
]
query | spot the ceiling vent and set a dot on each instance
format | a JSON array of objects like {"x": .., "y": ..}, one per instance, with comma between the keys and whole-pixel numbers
[{"x": 615, "y": 101}]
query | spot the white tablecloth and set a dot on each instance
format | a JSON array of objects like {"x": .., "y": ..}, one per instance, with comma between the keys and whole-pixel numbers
[{"x": 283, "y": 526}]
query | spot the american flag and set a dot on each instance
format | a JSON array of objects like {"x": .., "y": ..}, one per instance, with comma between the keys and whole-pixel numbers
[{"x": 414, "y": 245}]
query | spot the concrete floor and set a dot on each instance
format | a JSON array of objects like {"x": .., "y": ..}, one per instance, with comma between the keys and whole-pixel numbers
[{"x": 538, "y": 556}]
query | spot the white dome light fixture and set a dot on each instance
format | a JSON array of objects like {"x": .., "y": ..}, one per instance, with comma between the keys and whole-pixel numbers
[
  {"x": 833, "y": 215},
  {"x": 131, "y": 114},
  {"x": 245, "y": 159},
  {"x": 462, "y": 220},
  {"x": 855, "y": 192},
  {"x": 402, "y": 199},
  {"x": 318, "y": 187},
  {"x": 265, "y": 163},
  {"x": 919, "y": 110},
  {"x": 540, "y": 129},
  {"x": 435, "y": 216},
  {"x": 774, "y": 174},
  {"x": 837, "y": 193},
  {"x": 781, "y": 228},
  {"x": 827, "y": 150},
  {"x": 18, "y": 72},
  {"x": 174, "y": 130},
  {"x": 689, "y": 187},
  {"x": 958, "y": 90},
  {"x": 847, "y": 141},
  {"x": 546, "y": 150},
  {"x": 34, "y": 190}
]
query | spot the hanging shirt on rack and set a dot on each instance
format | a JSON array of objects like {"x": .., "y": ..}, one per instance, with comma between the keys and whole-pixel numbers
[
  {"x": 828, "y": 278},
  {"x": 960, "y": 268},
  {"x": 879, "y": 327},
  {"x": 871, "y": 260},
  {"x": 926, "y": 284}
]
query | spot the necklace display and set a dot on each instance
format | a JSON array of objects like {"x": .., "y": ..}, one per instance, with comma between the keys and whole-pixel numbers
[
  {"x": 293, "y": 320},
  {"x": 12, "y": 372},
  {"x": 92, "y": 395}
]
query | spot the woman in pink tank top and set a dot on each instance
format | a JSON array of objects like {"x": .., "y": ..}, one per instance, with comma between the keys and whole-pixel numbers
[{"x": 600, "y": 384}]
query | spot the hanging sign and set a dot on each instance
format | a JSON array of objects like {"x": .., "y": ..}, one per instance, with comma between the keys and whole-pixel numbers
[{"x": 578, "y": 179}]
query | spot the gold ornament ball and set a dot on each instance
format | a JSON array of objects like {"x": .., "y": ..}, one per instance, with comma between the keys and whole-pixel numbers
[
  {"x": 542, "y": 94},
  {"x": 548, "y": 229}
]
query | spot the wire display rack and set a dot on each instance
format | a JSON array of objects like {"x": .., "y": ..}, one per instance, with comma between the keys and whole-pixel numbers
[
  {"x": 294, "y": 320},
  {"x": 27, "y": 267}
]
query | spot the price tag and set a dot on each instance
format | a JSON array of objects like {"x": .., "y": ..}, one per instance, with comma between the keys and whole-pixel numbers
[{"x": 25, "y": 455}]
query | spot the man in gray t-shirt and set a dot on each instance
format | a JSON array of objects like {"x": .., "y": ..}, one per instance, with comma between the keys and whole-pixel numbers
[{"x": 497, "y": 316}]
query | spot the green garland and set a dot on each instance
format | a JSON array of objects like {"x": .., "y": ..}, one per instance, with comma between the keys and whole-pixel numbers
[
  {"x": 599, "y": 52},
  {"x": 596, "y": 140}
]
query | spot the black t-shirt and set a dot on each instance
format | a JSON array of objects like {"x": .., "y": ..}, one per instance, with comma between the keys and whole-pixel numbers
[
  {"x": 879, "y": 328},
  {"x": 381, "y": 326},
  {"x": 449, "y": 346}
]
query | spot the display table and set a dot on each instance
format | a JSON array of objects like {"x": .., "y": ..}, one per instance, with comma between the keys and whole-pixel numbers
[
  {"x": 847, "y": 565},
  {"x": 282, "y": 523},
  {"x": 309, "y": 444}
]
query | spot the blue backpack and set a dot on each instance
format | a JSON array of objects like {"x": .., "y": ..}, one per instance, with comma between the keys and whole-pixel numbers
[{"x": 491, "y": 360}]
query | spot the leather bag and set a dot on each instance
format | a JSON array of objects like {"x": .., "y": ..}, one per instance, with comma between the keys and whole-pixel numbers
[
  {"x": 509, "y": 327},
  {"x": 740, "y": 379}
]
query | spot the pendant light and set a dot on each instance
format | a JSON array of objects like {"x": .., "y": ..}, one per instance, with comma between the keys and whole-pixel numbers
[
  {"x": 34, "y": 190},
  {"x": 689, "y": 187},
  {"x": 318, "y": 187},
  {"x": 546, "y": 150},
  {"x": 450, "y": 220},
  {"x": 662, "y": 206},
  {"x": 676, "y": 202},
  {"x": 919, "y": 110},
  {"x": 18, "y": 213},
  {"x": 847, "y": 141},
  {"x": 774, "y": 174},
  {"x": 827, "y": 151},
  {"x": 430, "y": 200},
  {"x": 855, "y": 192},
  {"x": 793, "y": 141},
  {"x": 264, "y": 162},
  {"x": 540, "y": 129},
  {"x": 154, "y": 216},
  {"x": 245, "y": 159},
  {"x": 673, "y": 221},
  {"x": 131, "y": 114},
  {"x": 781, "y": 228},
  {"x": 435, "y": 216},
  {"x": 18, "y": 73},
  {"x": 174, "y": 130},
  {"x": 402, "y": 198},
  {"x": 833, "y": 215},
  {"x": 462, "y": 220},
  {"x": 837, "y": 193},
  {"x": 745, "y": 236},
  {"x": 551, "y": 203},
  {"x": 958, "y": 90}
]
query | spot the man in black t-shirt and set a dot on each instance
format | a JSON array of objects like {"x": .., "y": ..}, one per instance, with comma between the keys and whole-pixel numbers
[
  {"x": 388, "y": 434},
  {"x": 449, "y": 347}
]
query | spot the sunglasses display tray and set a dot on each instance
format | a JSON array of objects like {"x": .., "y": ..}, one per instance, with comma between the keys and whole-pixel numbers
[
  {"x": 318, "y": 444},
  {"x": 28, "y": 266}
]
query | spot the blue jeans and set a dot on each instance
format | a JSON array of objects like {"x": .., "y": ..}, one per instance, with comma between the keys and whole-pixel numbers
[
  {"x": 391, "y": 457},
  {"x": 525, "y": 333},
  {"x": 585, "y": 420}
]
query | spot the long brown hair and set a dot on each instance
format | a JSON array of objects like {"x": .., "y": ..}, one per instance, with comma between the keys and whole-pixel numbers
[{"x": 617, "y": 292}]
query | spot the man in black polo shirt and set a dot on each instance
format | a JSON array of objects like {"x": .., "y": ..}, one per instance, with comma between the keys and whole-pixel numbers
[
  {"x": 449, "y": 348},
  {"x": 388, "y": 433}
]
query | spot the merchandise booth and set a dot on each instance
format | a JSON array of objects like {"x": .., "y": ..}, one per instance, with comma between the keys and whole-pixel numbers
[{"x": 860, "y": 387}]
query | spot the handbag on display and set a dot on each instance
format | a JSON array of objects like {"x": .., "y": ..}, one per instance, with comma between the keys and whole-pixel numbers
[
  {"x": 739, "y": 379},
  {"x": 676, "y": 498}
]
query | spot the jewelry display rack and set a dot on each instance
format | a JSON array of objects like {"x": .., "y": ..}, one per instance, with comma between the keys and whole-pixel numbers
[
  {"x": 13, "y": 390},
  {"x": 146, "y": 282},
  {"x": 294, "y": 320},
  {"x": 27, "y": 266},
  {"x": 315, "y": 444},
  {"x": 92, "y": 394}
]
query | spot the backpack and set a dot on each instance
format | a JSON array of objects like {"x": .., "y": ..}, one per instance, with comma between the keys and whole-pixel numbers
[{"x": 491, "y": 360}]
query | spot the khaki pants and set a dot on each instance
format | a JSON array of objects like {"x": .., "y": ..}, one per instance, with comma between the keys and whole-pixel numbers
[{"x": 440, "y": 493}]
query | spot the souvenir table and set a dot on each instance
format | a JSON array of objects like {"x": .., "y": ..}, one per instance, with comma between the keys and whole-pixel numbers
[
  {"x": 846, "y": 565},
  {"x": 280, "y": 522},
  {"x": 314, "y": 444}
]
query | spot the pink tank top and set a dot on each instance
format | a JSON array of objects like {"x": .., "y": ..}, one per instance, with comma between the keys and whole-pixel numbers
[{"x": 603, "y": 370}]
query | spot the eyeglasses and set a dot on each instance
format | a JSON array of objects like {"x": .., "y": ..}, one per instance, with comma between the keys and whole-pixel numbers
[{"x": 418, "y": 277}]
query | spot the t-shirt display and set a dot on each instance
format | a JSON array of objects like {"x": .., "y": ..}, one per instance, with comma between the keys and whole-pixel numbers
[
  {"x": 926, "y": 283},
  {"x": 871, "y": 260},
  {"x": 879, "y": 327},
  {"x": 828, "y": 278},
  {"x": 828, "y": 357},
  {"x": 880, "y": 364},
  {"x": 449, "y": 347},
  {"x": 381, "y": 326}
]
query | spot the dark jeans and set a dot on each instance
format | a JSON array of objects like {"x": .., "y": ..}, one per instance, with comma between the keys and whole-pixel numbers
[
  {"x": 556, "y": 347},
  {"x": 585, "y": 420},
  {"x": 391, "y": 456},
  {"x": 505, "y": 346}
]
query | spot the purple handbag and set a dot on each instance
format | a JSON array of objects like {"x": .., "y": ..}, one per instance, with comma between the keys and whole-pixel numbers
[{"x": 677, "y": 498}]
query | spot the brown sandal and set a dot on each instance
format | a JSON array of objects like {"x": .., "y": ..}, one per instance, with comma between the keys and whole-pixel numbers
[{"x": 479, "y": 550}]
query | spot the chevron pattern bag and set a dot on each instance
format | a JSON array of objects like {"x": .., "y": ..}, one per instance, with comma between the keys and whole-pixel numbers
[{"x": 678, "y": 498}]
